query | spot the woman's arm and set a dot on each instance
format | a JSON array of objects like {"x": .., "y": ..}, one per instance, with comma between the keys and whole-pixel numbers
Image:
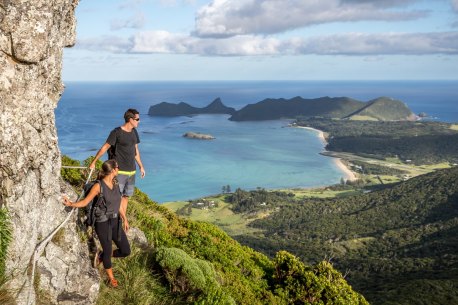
[
  {"x": 122, "y": 213},
  {"x": 95, "y": 190}
]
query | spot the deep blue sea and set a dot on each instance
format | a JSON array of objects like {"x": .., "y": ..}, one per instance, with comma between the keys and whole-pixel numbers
[{"x": 245, "y": 154}]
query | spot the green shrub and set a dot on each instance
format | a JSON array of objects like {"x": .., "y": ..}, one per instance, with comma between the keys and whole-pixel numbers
[
  {"x": 71, "y": 175},
  {"x": 321, "y": 284},
  {"x": 75, "y": 176},
  {"x": 184, "y": 273},
  {"x": 215, "y": 296}
]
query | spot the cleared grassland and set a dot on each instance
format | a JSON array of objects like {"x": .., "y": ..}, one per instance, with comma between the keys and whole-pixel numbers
[{"x": 222, "y": 216}]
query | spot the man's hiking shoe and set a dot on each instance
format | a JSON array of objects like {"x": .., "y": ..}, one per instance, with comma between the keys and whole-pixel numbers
[
  {"x": 97, "y": 258},
  {"x": 113, "y": 283}
]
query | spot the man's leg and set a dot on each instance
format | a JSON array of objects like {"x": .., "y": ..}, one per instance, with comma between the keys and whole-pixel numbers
[{"x": 126, "y": 186}]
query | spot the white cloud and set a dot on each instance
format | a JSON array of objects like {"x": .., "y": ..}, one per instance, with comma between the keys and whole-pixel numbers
[
  {"x": 352, "y": 44},
  {"x": 136, "y": 21},
  {"x": 379, "y": 44},
  {"x": 165, "y": 42},
  {"x": 113, "y": 44},
  {"x": 223, "y": 18}
]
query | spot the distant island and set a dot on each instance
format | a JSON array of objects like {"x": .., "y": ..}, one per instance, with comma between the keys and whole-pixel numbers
[
  {"x": 379, "y": 109},
  {"x": 184, "y": 109},
  {"x": 198, "y": 136}
]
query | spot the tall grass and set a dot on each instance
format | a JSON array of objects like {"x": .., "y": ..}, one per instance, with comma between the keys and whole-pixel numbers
[
  {"x": 5, "y": 239},
  {"x": 137, "y": 283}
]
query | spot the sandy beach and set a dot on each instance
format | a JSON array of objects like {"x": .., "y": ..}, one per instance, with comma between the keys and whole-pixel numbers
[{"x": 349, "y": 175}]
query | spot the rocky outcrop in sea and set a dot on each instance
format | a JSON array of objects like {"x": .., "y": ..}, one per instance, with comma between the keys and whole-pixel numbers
[{"x": 198, "y": 136}]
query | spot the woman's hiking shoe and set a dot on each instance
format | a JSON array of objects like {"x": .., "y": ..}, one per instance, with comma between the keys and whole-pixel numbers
[
  {"x": 113, "y": 283},
  {"x": 97, "y": 258}
]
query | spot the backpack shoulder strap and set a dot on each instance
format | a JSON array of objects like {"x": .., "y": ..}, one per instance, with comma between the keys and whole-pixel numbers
[
  {"x": 117, "y": 130},
  {"x": 136, "y": 135},
  {"x": 101, "y": 187}
]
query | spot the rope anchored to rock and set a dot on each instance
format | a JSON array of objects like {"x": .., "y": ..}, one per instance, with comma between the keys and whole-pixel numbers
[{"x": 42, "y": 245}]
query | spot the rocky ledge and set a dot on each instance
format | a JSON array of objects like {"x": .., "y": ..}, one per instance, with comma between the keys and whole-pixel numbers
[{"x": 199, "y": 136}]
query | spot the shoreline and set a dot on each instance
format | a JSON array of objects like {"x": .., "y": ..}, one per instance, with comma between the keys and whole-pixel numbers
[{"x": 348, "y": 173}]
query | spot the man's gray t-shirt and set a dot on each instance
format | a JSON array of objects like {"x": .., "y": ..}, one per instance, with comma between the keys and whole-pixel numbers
[{"x": 125, "y": 147}]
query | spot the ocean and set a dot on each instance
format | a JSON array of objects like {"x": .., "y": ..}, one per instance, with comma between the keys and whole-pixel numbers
[{"x": 248, "y": 155}]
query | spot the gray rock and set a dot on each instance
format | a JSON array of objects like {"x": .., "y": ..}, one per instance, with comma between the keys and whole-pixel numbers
[
  {"x": 138, "y": 238},
  {"x": 32, "y": 36},
  {"x": 198, "y": 136}
]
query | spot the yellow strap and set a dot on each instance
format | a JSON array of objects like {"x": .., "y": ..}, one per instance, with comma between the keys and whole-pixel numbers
[{"x": 131, "y": 173}]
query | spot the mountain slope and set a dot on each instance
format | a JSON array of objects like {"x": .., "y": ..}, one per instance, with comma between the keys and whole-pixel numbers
[
  {"x": 189, "y": 262},
  {"x": 384, "y": 109},
  {"x": 273, "y": 109},
  {"x": 183, "y": 109},
  {"x": 394, "y": 242}
]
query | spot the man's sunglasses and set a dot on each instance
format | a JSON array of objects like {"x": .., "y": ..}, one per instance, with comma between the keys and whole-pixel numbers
[{"x": 136, "y": 119}]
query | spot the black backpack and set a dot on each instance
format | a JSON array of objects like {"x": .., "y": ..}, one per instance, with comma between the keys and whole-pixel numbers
[
  {"x": 112, "y": 150},
  {"x": 97, "y": 208}
]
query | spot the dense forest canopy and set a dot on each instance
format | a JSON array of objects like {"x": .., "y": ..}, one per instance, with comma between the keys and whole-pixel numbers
[
  {"x": 393, "y": 242},
  {"x": 419, "y": 142}
]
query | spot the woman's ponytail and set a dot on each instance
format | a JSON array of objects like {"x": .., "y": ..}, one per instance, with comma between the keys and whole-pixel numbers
[{"x": 107, "y": 167}]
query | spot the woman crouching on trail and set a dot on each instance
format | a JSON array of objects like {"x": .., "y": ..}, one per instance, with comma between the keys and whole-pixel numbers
[{"x": 108, "y": 226}]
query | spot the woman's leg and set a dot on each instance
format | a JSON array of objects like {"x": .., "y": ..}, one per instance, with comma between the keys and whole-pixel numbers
[
  {"x": 101, "y": 228},
  {"x": 122, "y": 244}
]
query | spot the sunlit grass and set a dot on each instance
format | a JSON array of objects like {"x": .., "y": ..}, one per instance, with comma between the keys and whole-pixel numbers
[
  {"x": 222, "y": 216},
  {"x": 138, "y": 284},
  {"x": 362, "y": 118}
]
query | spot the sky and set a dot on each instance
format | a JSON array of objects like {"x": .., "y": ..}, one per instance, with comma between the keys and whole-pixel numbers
[{"x": 192, "y": 40}]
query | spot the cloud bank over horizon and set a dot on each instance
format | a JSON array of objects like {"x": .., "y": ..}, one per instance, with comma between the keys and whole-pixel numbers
[
  {"x": 251, "y": 28},
  {"x": 289, "y": 30},
  {"x": 352, "y": 44},
  {"x": 224, "y": 18}
]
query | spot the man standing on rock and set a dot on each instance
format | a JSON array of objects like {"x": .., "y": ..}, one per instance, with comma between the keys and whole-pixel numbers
[{"x": 122, "y": 145}]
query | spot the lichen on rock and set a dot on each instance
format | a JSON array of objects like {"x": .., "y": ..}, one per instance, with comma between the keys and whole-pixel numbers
[{"x": 32, "y": 37}]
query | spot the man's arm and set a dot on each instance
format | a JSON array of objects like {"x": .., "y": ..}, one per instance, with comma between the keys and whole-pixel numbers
[
  {"x": 139, "y": 161},
  {"x": 100, "y": 153}
]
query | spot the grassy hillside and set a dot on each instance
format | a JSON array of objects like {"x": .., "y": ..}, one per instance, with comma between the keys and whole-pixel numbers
[
  {"x": 384, "y": 109},
  {"x": 190, "y": 262},
  {"x": 399, "y": 244}
]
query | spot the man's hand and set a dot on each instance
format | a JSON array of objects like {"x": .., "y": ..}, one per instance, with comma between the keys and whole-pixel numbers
[
  {"x": 142, "y": 171},
  {"x": 92, "y": 165}
]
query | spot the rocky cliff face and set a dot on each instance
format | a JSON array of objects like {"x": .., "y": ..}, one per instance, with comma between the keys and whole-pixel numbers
[{"x": 32, "y": 36}]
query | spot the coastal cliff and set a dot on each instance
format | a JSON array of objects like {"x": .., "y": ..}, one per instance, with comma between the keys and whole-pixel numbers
[{"x": 32, "y": 38}]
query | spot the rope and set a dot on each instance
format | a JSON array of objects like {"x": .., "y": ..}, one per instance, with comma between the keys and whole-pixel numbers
[
  {"x": 42, "y": 245},
  {"x": 79, "y": 167}
]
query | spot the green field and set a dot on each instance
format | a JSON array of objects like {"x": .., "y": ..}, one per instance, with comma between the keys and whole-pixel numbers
[{"x": 222, "y": 216}]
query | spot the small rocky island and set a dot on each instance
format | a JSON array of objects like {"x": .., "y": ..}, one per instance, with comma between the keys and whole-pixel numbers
[{"x": 198, "y": 136}]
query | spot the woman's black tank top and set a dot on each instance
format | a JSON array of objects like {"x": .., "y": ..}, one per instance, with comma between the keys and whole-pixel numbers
[{"x": 112, "y": 198}]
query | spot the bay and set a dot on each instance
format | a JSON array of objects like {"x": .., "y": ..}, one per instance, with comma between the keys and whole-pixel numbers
[{"x": 244, "y": 154}]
